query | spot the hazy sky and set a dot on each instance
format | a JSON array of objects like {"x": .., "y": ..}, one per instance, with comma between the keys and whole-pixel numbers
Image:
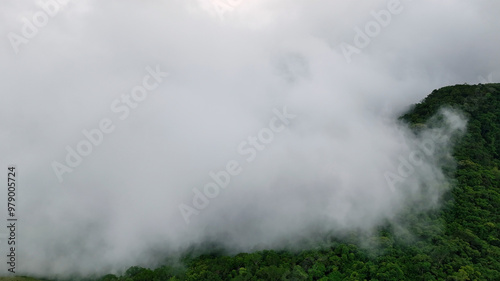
[{"x": 297, "y": 99}]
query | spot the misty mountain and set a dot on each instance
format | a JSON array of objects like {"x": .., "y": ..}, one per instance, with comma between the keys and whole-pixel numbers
[
  {"x": 457, "y": 240},
  {"x": 201, "y": 137}
]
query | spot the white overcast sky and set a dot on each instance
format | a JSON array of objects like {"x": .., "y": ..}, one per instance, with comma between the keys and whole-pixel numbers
[{"x": 228, "y": 70}]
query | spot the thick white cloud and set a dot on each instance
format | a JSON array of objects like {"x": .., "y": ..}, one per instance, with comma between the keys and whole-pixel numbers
[{"x": 227, "y": 73}]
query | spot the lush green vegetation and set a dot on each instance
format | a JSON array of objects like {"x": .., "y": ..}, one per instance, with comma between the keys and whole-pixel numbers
[
  {"x": 17, "y": 278},
  {"x": 461, "y": 241}
]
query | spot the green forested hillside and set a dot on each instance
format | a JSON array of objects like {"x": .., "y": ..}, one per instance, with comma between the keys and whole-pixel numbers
[{"x": 461, "y": 241}]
